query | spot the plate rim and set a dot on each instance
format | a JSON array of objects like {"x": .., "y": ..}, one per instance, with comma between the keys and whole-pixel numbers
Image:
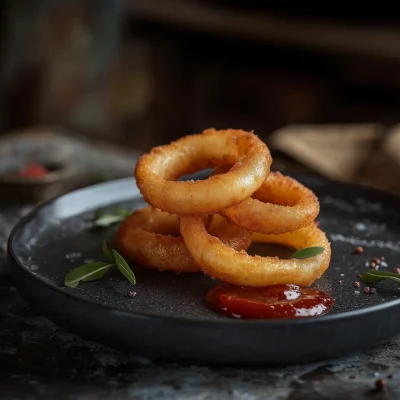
[{"x": 11, "y": 254}]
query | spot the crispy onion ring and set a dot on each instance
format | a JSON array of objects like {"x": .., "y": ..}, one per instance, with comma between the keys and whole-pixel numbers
[
  {"x": 157, "y": 171},
  {"x": 151, "y": 237},
  {"x": 280, "y": 205},
  {"x": 241, "y": 269}
]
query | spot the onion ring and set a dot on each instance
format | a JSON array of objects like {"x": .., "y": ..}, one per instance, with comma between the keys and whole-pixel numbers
[
  {"x": 241, "y": 269},
  {"x": 157, "y": 171},
  {"x": 280, "y": 205},
  {"x": 151, "y": 237}
]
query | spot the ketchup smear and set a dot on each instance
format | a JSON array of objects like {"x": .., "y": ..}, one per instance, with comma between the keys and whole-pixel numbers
[
  {"x": 278, "y": 301},
  {"x": 33, "y": 170}
]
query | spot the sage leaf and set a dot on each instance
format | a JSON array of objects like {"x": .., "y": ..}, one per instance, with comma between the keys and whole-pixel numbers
[
  {"x": 99, "y": 274},
  {"x": 117, "y": 211},
  {"x": 107, "y": 252},
  {"x": 308, "y": 252},
  {"x": 107, "y": 220},
  {"x": 87, "y": 272},
  {"x": 108, "y": 217},
  {"x": 377, "y": 276},
  {"x": 124, "y": 268}
]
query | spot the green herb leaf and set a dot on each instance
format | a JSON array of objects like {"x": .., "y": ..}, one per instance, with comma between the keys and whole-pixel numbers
[
  {"x": 99, "y": 274},
  {"x": 377, "y": 276},
  {"x": 87, "y": 272},
  {"x": 308, "y": 252},
  {"x": 107, "y": 252},
  {"x": 99, "y": 177},
  {"x": 118, "y": 211},
  {"x": 107, "y": 220},
  {"x": 124, "y": 268},
  {"x": 108, "y": 217}
]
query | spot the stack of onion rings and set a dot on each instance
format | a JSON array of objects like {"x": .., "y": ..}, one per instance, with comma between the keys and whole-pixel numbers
[{"x": 245, "y": 202}]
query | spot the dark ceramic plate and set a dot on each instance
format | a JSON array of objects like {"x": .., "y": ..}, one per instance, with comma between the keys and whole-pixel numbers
[{"x": 167, "y": 318}]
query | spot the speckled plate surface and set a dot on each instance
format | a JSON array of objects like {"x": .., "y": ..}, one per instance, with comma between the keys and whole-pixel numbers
[{"x": 167, "y": 318}]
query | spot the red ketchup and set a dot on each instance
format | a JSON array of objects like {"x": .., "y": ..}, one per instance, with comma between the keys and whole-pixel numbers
[
  {"x": 33, "y": 170},
  {"x": 278, "y": 301}
]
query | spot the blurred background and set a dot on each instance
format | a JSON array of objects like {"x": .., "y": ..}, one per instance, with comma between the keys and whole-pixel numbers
[{"x": 319, "y": 82}]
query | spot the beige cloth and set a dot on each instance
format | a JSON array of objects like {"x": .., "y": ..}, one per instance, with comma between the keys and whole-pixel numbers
[{"x": 359, "y": 153}]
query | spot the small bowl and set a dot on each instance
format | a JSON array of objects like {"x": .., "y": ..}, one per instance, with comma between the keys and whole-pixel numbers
[{"x": 18, "y": 189}]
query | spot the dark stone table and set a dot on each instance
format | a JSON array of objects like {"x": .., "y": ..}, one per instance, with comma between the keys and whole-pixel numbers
[{"x": 38, "y": 360}]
